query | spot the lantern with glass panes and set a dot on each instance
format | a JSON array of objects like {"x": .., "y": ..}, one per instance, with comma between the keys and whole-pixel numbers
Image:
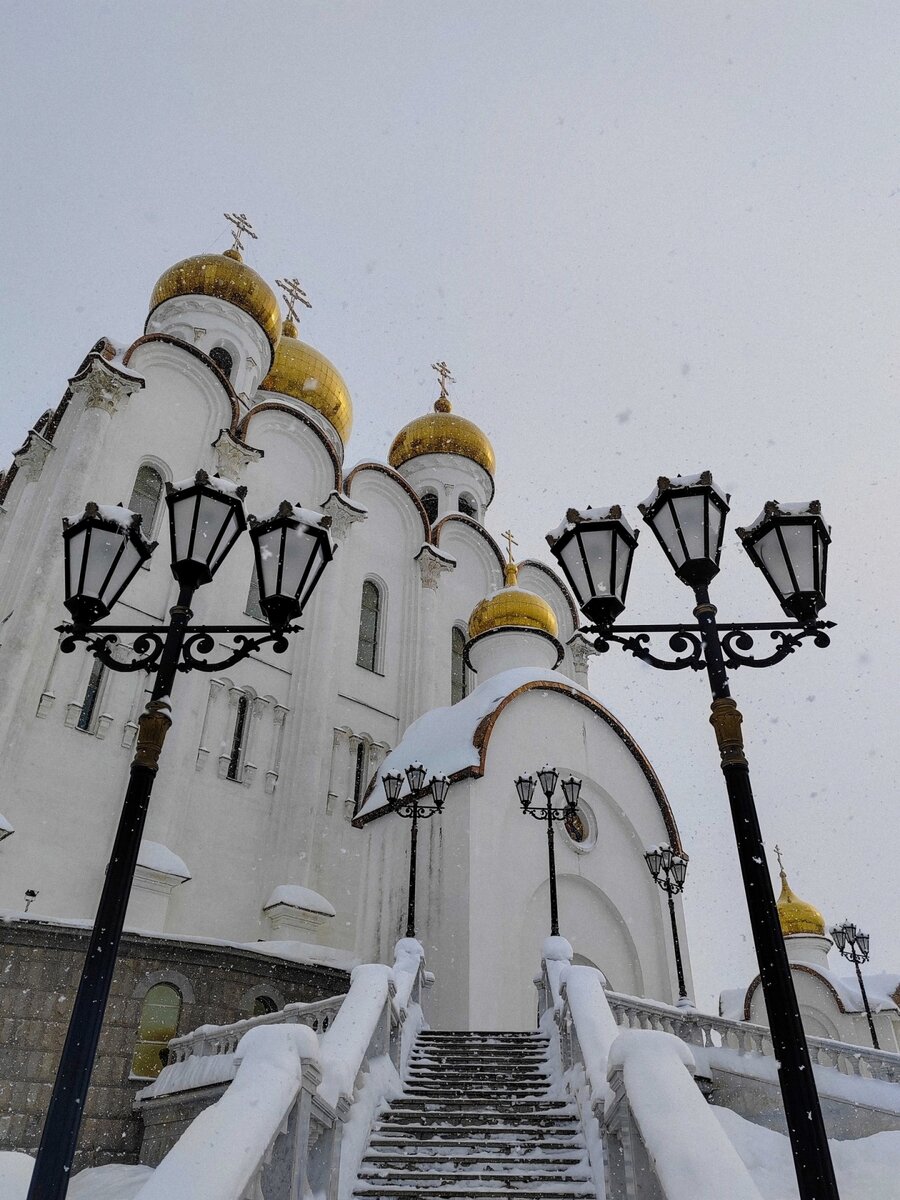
[
  {"x": 853, "y": 945},
  {"x": 594, "y": 548},
  {"x": 413, "y": 806},
  {"x": 548, "y": 777},
  {"x": 104, "y": 548}
]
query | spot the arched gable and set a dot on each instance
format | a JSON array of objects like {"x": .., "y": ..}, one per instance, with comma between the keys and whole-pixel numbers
[
  {"x": 240, "y": 431},
  {"x": 395, "y": 477},
  {"x": 808, "y": 970},
  {"x": 454, "y": 519},
  {"x": 218, "y": 375},
  {"x": 557, "y": 586}
]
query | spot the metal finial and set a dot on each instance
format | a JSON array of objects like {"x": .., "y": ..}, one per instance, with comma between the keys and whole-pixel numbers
[
  {"x": 780, "y": 863},
  {"x": 510, "y": 542},
  {"x": 293, "y": 295},
  {"x": 242, "y": 227},
  {"x": 444, "y": 377}
]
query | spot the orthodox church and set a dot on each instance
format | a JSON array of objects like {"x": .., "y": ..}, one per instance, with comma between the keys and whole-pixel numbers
[{"x": 272, "y": 863}]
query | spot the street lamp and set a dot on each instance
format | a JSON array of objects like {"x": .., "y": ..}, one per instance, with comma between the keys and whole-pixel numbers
[
  {"x": 104, "y": 548},
  {"x": 547, "y": 777},
  {"x": 413, "y": 808},
  {"x": 854, "y": 946},
  {"x": 789, "y": 544},
  {"x": 669, "y": 869}
]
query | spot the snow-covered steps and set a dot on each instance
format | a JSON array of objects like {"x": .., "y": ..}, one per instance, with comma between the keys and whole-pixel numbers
[{"x": 474, "y": 1120}]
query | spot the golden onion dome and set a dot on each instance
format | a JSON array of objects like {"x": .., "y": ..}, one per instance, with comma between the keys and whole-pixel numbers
[
  {"x": 796, "y": 915},
  {"x": 512, "y": 607},
  {"x": 223, "y": 277},
  {"x": 303, "y": 373},
  {"x": 442, "y": 432}
]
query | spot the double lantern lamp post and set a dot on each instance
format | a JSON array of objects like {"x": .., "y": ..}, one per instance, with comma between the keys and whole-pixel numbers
[
  {"x": 547, "y": 777},
  {"x": 104, "y": 549},
  {"x": 853, "y": 945},
  {"x": 789, "y": 544},
  {"x": 413, "y": 807},
  {"x": 669, "y": 869}
]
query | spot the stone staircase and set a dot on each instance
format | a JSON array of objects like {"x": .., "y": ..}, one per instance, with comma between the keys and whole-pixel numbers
[{"x": 474, "y": 1120}]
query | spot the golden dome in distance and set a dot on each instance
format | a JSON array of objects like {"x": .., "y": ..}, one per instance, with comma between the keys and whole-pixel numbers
[
  {"x": 794, "y": 914},
  {"x": 442, "y": 432},
  {"x": 303, "y": 373},
  {"x": 223, "y": 277},
  {"x": 512, "y": 607}
]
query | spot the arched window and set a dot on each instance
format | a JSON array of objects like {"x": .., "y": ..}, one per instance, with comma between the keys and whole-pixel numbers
[
  {"x": 263, "y": 1005},
  {"x": 359, "y": 775},
  {"x": 430, "y": 504},
  {"x": 223, "y": 360},
  {"x": 86, "y": 718},
  {"x": 239, "y": 738},
  {"x": 146, "y": 495},
  {"x": 458, "y": 681},
  {"x": 369, "y": 626},
  {"x": 468, "y": 507},
  {"x": 159, "y": 1024},
  {"x": 253, "y": 608}
]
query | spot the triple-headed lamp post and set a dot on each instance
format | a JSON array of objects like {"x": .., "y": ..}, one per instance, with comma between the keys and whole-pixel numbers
[
  {"x": 104, "y": 549},
  {"x": 547, "y": 777},
  {"x": 853, "y": 945},
  {"x": 669, "y": 869},
  {"x": 789, "y": 543},
  {"x": 411, "y": 806}
]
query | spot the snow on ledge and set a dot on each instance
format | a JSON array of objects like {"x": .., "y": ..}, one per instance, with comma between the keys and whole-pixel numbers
[
  {"x": 296, "y": 896},
  {"x": 157, "y": 857}
]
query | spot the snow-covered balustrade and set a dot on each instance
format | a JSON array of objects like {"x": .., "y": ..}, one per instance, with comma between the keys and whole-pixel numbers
[
  {"x": 710, "y": 1033},
  {"x": 223, "y": 1039}
]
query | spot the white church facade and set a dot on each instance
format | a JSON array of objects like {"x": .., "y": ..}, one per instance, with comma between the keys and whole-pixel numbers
[{"x": 269, "y": 850}]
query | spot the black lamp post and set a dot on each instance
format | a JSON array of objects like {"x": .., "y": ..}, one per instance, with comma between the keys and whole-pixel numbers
[
  {"x": 789, "y": 543},
  {"x": 854, "y": 946},
  {"x": 669, "y": 869},
  {"x": 412, "y": 807},
  {"x": 547, "y": 777},
  {"x": 103, "y": 550}
]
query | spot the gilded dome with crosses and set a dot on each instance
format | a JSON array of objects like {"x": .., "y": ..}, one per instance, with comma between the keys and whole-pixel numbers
[
  {"x": 512, "y": 607},
  {"x": 442, "y": 432}
]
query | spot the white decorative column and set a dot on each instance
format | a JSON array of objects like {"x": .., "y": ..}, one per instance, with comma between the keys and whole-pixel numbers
[
  {"x": 582, "y": 651},
  {"x": 433, "y": 563},
  {"x": 158, "y": 872}
]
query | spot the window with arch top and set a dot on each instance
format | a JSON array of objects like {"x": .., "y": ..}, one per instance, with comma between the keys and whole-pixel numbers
[
  {"x": 146, "y": 495},
  {"x": 235, "y": 768},
  {"x": 430, "y": 504},
  {"x": 370, "y": 615},
  {"x": 468, "y": 507},
  {"x": 159, "y": 1024},
  {"x": 459, "y": 683},
  {"x": 223, "y": 360}
]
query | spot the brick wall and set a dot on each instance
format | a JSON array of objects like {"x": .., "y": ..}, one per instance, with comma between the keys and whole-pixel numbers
[{"x": 41, "y": 965}]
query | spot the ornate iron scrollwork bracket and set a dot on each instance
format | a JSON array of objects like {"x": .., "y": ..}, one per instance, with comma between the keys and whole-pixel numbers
[
  {"x": 685, "y": 642},
  {"x": 146, "y": 650}
]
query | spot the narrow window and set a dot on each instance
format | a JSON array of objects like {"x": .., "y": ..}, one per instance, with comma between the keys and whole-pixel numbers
[
  {"x": 263, "y": 1005},
  {"x": 253, "y": 608},
  {"x": 367, "y": 650},
  {"x": 239, "y": 737},
  {"x": 91, "y": 695},
  {"x": 468, "y": 507},
  {"x": 146, "y": 495},
  {"x": 159, "y": 1024},
  {"x": 430, "y": 504},
  {"x": 222, "y": 359},
  {"x": 359, "y": 778},
  {"x": 458, "y": 680}
]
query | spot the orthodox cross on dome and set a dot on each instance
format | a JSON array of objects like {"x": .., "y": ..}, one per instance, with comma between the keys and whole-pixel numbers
[
  {"x": 444, "y": 377},
  {"x": 510, "y": 542},
  {"x": 242, "y": 227},
  {"x": 293, "y": 295},
  {"x": 780, "y": 863}
]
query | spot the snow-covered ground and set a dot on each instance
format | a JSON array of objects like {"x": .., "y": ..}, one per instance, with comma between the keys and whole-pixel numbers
[{"x": 116, "y": 1182}]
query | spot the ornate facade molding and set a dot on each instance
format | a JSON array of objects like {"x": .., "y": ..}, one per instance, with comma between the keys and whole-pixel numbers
[
  {"x": 31, "y": 456},
  {"x": 344, "y": 514},
  {"x": 101, "y": 386},
  {"x": 233, "y": 456},
  {"x": 432, "y": 565}
]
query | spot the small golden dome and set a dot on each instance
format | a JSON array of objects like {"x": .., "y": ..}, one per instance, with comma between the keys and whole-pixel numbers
[
  {"x": 795, "y": 915},
  {"x": 512, "y": 607},
  {"x": 224, "y": 277},
  {"x": 303, "y": 373},
  {"x": 442, "y": 432}
]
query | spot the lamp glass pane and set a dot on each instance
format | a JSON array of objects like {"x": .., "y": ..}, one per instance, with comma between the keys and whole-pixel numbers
[
  {"x": 303, "y": 549},
  {"x": 679, "y": 871},
  {"x": 103, "y": 546},
  {"x": 623, "y": 558},
  {"x": 716, "y": 519},
  {"x": 128, "y": 563},
  {"x": 862, "y": 940},
  {"x": 74, "y": 553},
  {"x": 839, "y": 937},
  {"x": 653, "y": 859},
  {"x": 664, "y": 525},
  {"x": 768, "y": 547},
  {"x": 182, "y": 518},
  {"x": 573, "y": 564},
  {"x": 799, "y": 542},
  {"x": 598, "y": 547},
  {"x": 692, "y": 519},
  {"x": 212, "y": 514},
  {"x": 269, "y": 551}
]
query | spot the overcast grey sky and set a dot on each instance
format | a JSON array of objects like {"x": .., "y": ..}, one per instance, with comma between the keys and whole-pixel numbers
[{"x": 647, "y": 237}]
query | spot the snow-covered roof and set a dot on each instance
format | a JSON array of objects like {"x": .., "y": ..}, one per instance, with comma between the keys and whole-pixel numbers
[
  {"x": 296, "y": 896},
  {"x": 701, "y": 479},
  {"x": 882, "y": 990},
  {"x": 156, "y": 857},
  {"x": 802, "y": 508}
]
